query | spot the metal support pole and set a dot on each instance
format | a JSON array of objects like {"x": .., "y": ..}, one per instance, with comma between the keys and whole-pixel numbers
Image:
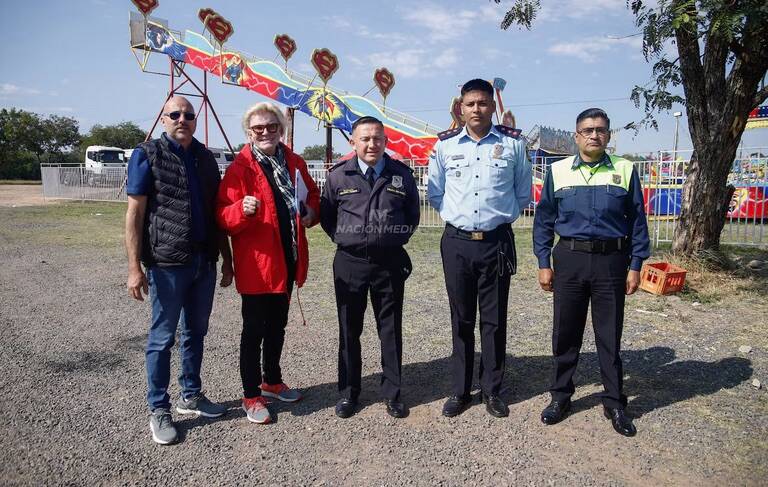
[
  {"x": 328, "y": 145},
  {"x": 290, "y": 113},
  {"x": 205, "y": 104}
]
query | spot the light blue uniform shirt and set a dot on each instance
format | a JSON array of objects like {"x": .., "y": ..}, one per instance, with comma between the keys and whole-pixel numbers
[
  {"x": 479, "y": 185},
  {"x": 377, "y": 168}
]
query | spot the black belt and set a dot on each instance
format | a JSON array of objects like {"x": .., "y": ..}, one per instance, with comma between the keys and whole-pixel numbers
[
  {"x": 370, "y": 253},
  {"x": 594, "y": 246},
  {"x": 477, "y": 235}
]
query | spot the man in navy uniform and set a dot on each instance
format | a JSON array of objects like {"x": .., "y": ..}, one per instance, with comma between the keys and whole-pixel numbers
[
  {"x": 370, "y": 209},
  {"x": 479, "y": 181},
  {"x": 594, "y": 202}
]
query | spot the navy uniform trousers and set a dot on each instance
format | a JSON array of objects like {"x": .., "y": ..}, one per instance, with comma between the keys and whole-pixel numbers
[
  {"x": 383, "y": 273},
  {"x": 581, "y": 278},
  {"x": 478, "y": 272}
]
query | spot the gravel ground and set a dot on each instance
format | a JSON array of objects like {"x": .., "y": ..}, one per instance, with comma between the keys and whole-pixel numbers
[{"x": 73, "y": 383}]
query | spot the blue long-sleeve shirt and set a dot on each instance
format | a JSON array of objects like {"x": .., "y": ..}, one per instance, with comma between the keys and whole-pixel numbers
[
  {"x": 591, "y": 205},
  {"x": 479, "y": 185}
]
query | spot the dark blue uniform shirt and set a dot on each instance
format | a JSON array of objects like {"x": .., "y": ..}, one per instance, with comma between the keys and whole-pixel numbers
[
  {"x": 140, "y": 182},
  {"x": 595, "y": 213}
]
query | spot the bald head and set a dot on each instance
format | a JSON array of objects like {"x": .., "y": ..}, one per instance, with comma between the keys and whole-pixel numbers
[{"x": 181, "y": 129}]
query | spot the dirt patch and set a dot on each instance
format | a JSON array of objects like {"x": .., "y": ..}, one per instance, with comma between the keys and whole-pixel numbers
[
  {"x": 15, "y": 195},
  {"x": 73, "y": 382}
]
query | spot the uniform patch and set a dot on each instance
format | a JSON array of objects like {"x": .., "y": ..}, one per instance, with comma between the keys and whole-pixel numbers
[
  {"x": 396, "y": 191},
  {"x": 457, "y": 174},
  {"x": 498, "y": 150},
  {"x": 397, "y": 181},
  {"x": 346, "y": 191},
  {"x": 617, "y": 179}
]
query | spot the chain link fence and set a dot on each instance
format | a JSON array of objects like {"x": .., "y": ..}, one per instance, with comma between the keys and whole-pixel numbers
[{"x": 662, "y": 178}]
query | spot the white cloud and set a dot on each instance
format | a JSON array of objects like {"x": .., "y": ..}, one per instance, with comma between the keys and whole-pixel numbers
[
  {"x": 444, "y": 24},
  {"x": 589, "y": 49},
  {"x": 415, "y": 63},
  {"x": 555, "y": 10},
  {"x": 8, "y": 89}
]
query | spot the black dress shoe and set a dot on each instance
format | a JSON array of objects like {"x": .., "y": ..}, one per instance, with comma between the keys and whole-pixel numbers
[
  {"x": 495, "y": 406},
  {"x": 621, "y": 423},
  {"x": 345, "y": 407},
  {"x": 395, "y": 408},
  {"x": 455, "y": 405},
  {"x": 556, "y": 411}
]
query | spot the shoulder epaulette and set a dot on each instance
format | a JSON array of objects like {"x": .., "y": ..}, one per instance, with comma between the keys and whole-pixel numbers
[
  {"x": 509, "y": 131},
  {"x": 337, "y": 165},
  {"x": 447, "y": 134}
]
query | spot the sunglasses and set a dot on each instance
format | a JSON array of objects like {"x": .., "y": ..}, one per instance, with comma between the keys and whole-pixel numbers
[
  {"x": 188, "y": 116},
  {"x": 270, "y": 128}
]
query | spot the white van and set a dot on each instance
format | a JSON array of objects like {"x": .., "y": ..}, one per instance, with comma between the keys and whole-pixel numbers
[{"x": 99, "y": 157}]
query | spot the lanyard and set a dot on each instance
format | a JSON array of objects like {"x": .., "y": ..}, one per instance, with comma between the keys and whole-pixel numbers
[{"x": 592, "y": 171}]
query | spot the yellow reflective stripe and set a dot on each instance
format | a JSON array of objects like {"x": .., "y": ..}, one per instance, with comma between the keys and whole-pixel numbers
[{"x": 564, "y": 176}]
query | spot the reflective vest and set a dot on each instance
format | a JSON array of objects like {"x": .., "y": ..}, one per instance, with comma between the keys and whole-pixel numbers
[{"x": 565, "y": 176}]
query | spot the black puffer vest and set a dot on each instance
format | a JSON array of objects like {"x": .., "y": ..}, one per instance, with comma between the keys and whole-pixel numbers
[{"x": 168, "y": 219}]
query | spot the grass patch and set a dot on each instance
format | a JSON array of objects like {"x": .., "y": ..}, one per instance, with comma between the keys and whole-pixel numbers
[
  {"x": 72, "y": 224},
  {"x": 17, "y": 182}
]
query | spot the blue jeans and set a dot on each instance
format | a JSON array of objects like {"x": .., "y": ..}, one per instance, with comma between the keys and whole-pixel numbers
[{"x": 184, "y": 292}]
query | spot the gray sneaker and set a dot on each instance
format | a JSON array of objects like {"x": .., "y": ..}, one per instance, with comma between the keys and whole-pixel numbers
[
  {"x": 200, "y": 405},
  {"x": 161, "y": 425}
]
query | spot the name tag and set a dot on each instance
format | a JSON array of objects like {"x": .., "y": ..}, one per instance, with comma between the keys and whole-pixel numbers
[
  {"x": 456, "y": 157},
  {"x": 396, "y": 191},
  {"x": 346, "y": 191}
]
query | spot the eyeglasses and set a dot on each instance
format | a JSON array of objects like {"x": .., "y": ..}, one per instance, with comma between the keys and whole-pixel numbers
[
  {"x": 600, "y": 131},
  {"x": 188, "y": 116},
  {"x": 270, "y": 128}
]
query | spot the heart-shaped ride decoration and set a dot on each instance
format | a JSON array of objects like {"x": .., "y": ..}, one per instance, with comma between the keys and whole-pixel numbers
[
  {"x": 203, "y": 14},
  {"x": 146, "y": 6},
  {"x": 285, "y": 45},
  {"x": 325, "y": 62},
  {"x": 385, "y": 80},
  {"x": 220, "y": 27}
]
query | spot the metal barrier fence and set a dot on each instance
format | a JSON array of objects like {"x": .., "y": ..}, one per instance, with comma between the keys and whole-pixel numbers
[{"x": 662, "y": 181}]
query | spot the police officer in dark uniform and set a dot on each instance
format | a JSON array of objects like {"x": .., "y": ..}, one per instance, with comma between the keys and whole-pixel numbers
[
  {"x": 594, "y": 202},
  {"x": 370, "y": 209},
  {"x": 480, "y": 182}
]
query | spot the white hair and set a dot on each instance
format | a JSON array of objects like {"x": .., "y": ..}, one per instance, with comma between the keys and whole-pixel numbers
[{"x": 264, "y": 107}]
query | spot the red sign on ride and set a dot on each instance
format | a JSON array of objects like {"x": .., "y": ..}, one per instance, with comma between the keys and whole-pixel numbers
[
  {"x": 385, "y": 80},
  {"x": 203, "y": 14},
  {"x": 146, "y": 6},
  {"x": 218, "y": 26},
  {"x": 325, "y": 62},
  {"x": 285, "y": 45}
]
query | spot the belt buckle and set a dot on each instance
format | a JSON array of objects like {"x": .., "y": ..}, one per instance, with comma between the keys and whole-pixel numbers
[{"x": 477, "y": 235}]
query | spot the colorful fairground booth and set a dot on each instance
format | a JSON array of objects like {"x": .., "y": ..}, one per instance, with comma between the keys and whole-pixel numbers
[{"x": 749, "y": 175}]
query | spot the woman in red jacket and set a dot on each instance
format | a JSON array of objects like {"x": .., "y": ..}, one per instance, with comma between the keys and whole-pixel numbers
[{"x": 265, "y": 201}]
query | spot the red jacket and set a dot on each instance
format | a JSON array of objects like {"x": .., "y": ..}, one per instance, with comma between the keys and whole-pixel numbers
[{"x": 257, "y": 250}]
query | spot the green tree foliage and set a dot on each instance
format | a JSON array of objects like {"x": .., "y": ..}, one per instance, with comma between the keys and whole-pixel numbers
[
  {"x": 125, "y": 135},
  {"x": 27, "y": 139},
  {"x": 316, "y": 153},
  {"x": 717, "y": 52}
]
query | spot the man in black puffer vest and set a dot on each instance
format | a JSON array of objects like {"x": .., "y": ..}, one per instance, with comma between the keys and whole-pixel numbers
[{"x": 170, "y": 227}]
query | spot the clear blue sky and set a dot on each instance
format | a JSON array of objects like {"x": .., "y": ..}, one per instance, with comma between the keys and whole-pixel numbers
[{"x": 73, "y": 58}]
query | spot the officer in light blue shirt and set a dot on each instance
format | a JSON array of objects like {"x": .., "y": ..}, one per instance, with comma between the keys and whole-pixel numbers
[{"x": 479, "y": 182}]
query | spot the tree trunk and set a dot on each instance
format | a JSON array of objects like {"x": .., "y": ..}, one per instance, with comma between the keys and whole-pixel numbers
[{"x": 705, "y": 201}]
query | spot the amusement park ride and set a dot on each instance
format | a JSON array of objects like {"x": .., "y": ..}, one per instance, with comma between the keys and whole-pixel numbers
[{"x": 408, "y": 137}]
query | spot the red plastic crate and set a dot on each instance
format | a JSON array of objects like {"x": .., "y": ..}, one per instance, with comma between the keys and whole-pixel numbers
[{"x": 662, "y": 278}]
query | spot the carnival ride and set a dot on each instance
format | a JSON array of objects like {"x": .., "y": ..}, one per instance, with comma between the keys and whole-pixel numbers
[{"x": 407, "y": 136}]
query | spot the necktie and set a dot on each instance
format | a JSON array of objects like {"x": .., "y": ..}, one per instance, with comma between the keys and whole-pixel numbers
[{"x": 369, "y": 176}]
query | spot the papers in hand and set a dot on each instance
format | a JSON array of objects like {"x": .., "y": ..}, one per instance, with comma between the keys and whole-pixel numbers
[{"x": 301, "y": 189}]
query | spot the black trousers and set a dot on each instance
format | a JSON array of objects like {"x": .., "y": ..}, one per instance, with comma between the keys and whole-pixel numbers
[
  {"x": 478, "y": 272},
  {"x": 581, "y": 278},
  {"x": 264, "y": 319},
  {"x": 384, "y": 276}
]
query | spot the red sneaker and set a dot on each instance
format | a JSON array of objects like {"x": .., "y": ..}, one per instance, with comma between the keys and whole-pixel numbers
[{"x": 256, "y": 410}]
